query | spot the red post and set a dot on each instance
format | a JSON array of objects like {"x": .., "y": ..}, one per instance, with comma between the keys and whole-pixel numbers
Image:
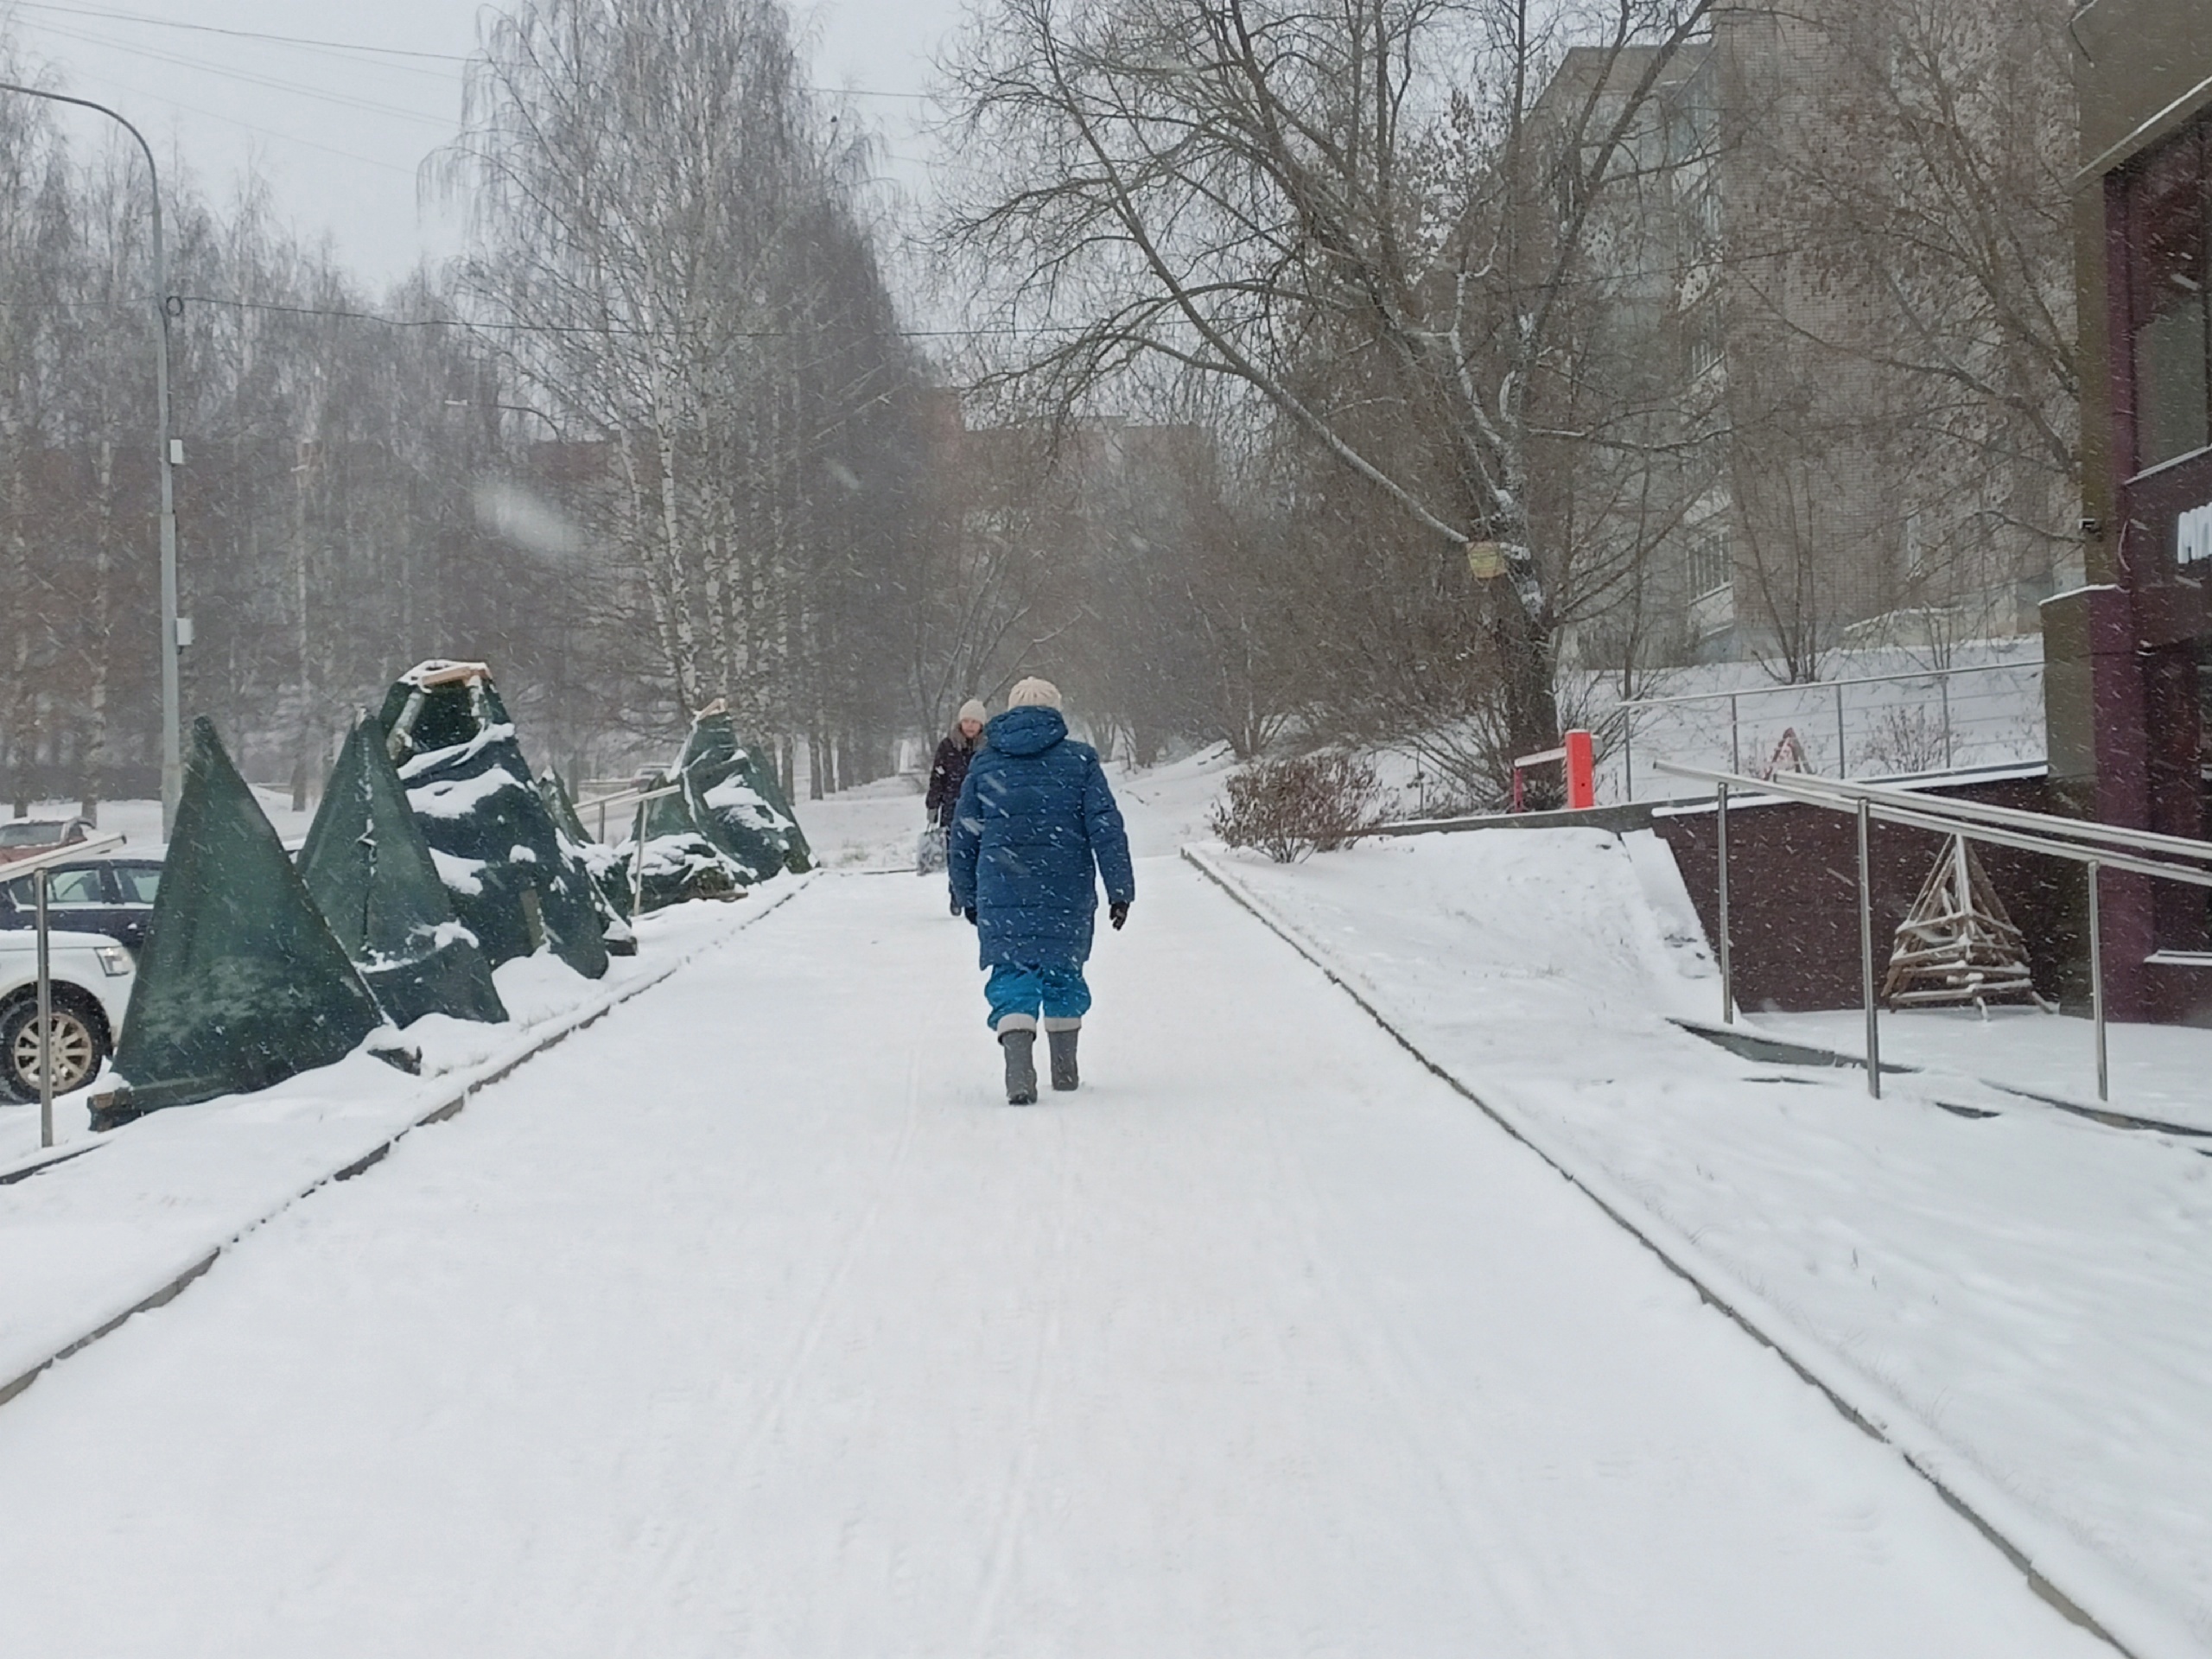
[{"x": 1581, "y": 772}]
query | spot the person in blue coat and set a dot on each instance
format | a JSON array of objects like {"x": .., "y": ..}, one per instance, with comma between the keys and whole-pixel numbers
[{"x": 1034, "y": 832}]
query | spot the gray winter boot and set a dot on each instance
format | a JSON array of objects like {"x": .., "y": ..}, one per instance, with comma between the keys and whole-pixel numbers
[
  {"x": 1063, "y": 1046},
  {"x": 1020, "y": 1066}
]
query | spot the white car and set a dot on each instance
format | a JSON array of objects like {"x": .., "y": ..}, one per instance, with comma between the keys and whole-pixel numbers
[{"x": 92, "y": 976}]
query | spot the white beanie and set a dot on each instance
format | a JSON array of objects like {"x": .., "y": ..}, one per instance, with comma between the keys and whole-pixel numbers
[
  {"x": 1034, "y": 694},
  {"x": 973, "y": 709}
]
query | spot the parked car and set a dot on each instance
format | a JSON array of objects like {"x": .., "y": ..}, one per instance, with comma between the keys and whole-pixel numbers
[
  {"x": 24, "y": 837},
  {"x": 92, "y": 976},
  {"x": 114, "y": 896}
]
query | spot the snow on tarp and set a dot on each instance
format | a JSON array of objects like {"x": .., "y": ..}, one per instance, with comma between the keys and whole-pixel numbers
[
  {"x": 609, "y": 883},
  {"x": 679, "y": 864},
  {"x": 472, "y": 795},
  {"x": 373, "y": 873},
  {"x": 242, "y": 983},
  {"x": 736, "y": 803}
]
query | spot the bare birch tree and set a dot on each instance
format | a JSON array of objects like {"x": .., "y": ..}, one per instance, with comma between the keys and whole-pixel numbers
[
  {"x": 665, "y": 242},
  {"x": 1313, "y": 201}
]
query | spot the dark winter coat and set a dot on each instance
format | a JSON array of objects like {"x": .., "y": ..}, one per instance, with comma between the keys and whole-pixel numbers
[
  {"x": 947, "y": 772},
  {"x": 1033, "y": 822}
]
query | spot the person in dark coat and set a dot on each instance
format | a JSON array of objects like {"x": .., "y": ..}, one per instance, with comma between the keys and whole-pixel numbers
[
  {"x": 950, "y": 769},
  {"x": 1034, "y": 833},
  {"x": 947, "y": 772}
]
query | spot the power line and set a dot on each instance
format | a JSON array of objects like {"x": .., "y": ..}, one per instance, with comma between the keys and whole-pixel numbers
[
  {"x": 238, "y": 34},
  {"x": 253, "y": 78},
  {"x": 313, "y": 43},
  {"x": 267, "y": 132}
]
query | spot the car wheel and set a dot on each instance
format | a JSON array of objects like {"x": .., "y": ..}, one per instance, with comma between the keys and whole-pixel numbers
[{"x": 77, "y": 1049}]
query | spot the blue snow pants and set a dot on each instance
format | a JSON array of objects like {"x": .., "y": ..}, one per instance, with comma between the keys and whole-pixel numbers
[{"x": 1019, "y": 995}]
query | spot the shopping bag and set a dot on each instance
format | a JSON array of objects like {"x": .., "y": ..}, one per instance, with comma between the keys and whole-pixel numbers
[{"x": 929, "y": 851}]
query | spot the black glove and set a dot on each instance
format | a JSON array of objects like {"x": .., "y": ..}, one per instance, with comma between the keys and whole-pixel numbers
[
  {"x": 970, "y": 914},
  {"x": 1118, "y": 912}
]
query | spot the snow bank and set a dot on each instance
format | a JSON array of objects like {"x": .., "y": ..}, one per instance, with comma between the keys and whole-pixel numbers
[
  {"x": 2016, "y": 1296},
  {"x": 85, "y": 1242}
]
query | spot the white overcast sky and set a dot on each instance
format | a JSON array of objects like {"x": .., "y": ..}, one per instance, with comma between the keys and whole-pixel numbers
[{"x": 340, "y": 135}]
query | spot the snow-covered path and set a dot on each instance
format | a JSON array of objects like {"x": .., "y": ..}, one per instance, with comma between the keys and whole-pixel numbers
[{"x": 750, "y": 1322}]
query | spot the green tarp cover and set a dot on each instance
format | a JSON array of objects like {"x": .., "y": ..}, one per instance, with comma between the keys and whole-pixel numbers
[
  {"x": 736, "y": 804},
  {"x": 489, "y": 835},
  {"x": 610, "y": 878},
  {"x": 440, "y": 716},
  {"x": 679, "y": 863},
  {"x": 760, "y": 776},
  {"x": 371, "y": 873},
  {"x": 241, "y": 983}
]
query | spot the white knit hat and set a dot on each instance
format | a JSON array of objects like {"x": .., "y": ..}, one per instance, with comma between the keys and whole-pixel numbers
[
  {"x": 973, "y": 709},
  {"x": 1034, "y": 694}
]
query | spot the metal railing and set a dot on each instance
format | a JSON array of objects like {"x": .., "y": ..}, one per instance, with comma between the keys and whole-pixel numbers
[
  {"x": 2097, "y": 846},
  {"x": 38, "y": 866},
  {"x": 1943, "y": 742},
  {"x": 638, "y": 798}
]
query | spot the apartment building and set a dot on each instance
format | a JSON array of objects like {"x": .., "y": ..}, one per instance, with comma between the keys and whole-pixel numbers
[{"x": 1822, "y": 477}]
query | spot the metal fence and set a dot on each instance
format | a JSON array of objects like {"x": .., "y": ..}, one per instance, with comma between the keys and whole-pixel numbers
[{"x": 1877, "y": 725}]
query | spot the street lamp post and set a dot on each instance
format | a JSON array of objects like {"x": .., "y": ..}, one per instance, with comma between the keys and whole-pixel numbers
[{"x": 172, "y": 738}]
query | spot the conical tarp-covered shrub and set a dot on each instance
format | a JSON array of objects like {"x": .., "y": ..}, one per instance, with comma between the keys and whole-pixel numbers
[
  {"x": 493, "y": 842},
  {"x": 241, "y": 983},
  {"x": 676, "y": 863},
  {"x": 736, "y": 803},
  {"x": 759, "y": 771},
  {"x": 610, "y": 881},
  {"x": 370, "y": 874}
]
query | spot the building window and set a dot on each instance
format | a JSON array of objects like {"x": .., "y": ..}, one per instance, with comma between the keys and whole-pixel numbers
[
  {"x": 1707, "y": 348},
  {"x": 2193, "y": 538},
  {"x": 2168, "y": 324},
  {"x": 1710, "y": 568}
]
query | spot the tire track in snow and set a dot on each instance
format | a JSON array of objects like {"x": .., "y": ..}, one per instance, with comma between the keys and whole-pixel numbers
[
  {"x": 1538, "y": 1604},
  {"x": 1013, "y": 1510},
  {"x": 678, "y": 1576}
]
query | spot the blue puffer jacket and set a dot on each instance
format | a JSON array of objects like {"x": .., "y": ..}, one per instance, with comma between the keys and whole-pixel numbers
[{"x": 1034, "y": 817}]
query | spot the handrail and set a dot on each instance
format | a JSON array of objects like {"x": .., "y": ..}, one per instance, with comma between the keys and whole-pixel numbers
[
  {"x": 1780, "y": 686},
  {"x": 2077, "y": 828},
  {"x": 1838, "y": 796},
  {"x": 627, "y": 796},
  {"x": 1969, "y": 820}
]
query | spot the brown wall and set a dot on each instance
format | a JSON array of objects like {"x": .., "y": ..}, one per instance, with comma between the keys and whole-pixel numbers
[
  {"x": 2141, "y": 68},
  {"x": 1793, "y": 893},
  {"x": 2121, "y": 687}
]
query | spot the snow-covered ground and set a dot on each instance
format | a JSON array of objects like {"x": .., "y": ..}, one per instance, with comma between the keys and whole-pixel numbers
[
  {"x": 1166, "y": 806},
  {"x": 749, "y": 1321},
  {"x": 118, "y": 1217},
  {"x": 2156, "y": 1073},
  {"x": 757, "y": 1325},
  {"x": 2019, "y": 1293},
  {"x": 872, "y": 828}
]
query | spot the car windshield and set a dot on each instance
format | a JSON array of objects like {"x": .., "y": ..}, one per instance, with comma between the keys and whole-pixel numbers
[
  {"x": 81, "y": 886},
  {"x": 139, "y": 882}
]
